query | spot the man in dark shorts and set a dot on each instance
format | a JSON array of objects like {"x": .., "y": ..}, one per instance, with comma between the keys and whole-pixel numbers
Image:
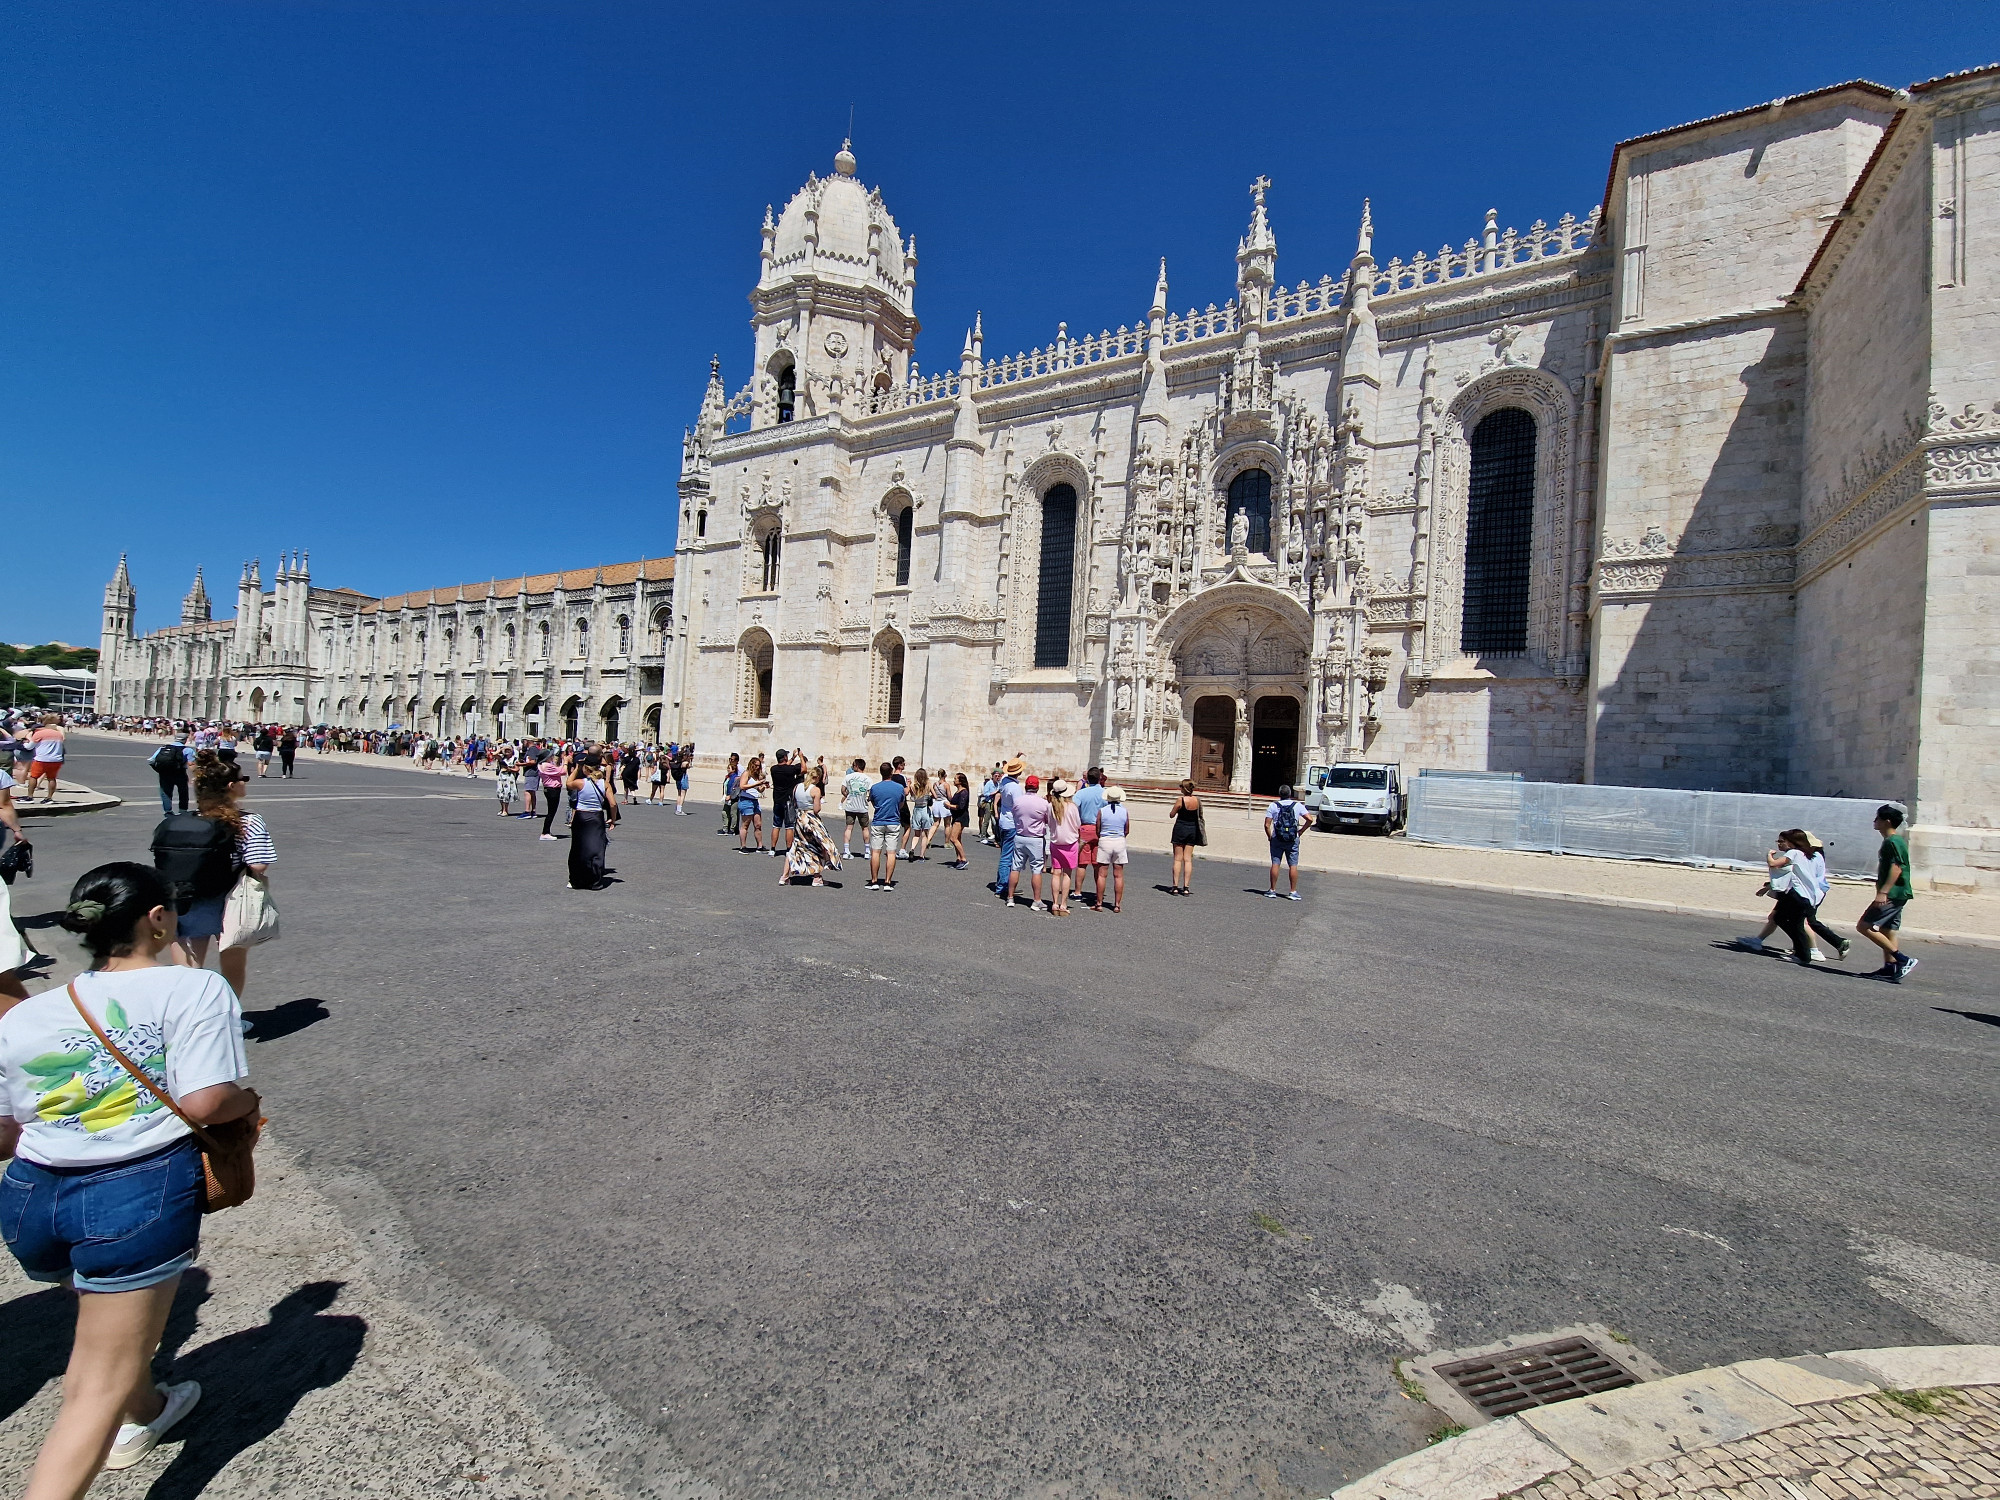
[
  {"x": 785, "y": 778},
  {"x": 1879, "y": 924}
]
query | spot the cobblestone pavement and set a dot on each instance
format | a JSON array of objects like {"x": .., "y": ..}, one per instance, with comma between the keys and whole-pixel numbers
[{"x": 1867, "y": 1446}]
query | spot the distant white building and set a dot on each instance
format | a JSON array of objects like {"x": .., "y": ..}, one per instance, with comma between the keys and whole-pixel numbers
[
  {"x": 1698, "y": 491},
  {"x": 63, "y": 687},
  {"x": 584, "y": 653}
]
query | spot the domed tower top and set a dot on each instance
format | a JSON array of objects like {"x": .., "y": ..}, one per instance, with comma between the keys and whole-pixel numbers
[{"x": 835, "y": 304}]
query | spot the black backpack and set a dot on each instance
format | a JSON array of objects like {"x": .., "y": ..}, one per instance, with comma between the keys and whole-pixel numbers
[
  {"x": 197, "y": 855},
  {"x": 170, "y": 761}
]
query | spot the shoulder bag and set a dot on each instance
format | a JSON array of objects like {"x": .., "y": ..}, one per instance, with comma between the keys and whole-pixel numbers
[
  {"x": 250, "y": 915},
  {"x": 228, "y": 1166}
]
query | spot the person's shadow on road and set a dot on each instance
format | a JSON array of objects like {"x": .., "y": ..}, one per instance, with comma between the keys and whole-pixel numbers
[
  {"x": 251, "y": 1380},
  {"x": 283, "y": 1020},
  {"x": 35, "y": 1332}
]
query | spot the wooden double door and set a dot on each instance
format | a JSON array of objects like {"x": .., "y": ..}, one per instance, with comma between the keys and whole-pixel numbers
[{"x": 1214, "y": 760}]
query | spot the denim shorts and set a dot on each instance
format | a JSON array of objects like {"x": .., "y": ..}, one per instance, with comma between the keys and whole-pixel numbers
[
  {"x": 1284, "y": 851},
  {"x": 119, "y": 1228},
  {"x": 203, "y": 919}
]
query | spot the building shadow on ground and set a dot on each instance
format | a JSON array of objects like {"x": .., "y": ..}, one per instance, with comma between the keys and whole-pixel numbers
[
  {"x": 251, "y": 1380},
  {"x": 283, "y": 1020}
]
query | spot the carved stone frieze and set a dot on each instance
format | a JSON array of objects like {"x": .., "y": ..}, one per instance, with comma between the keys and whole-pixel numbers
[
  {"x": 1700, "y": 572},
  {"x": 1952, "y": 466}
]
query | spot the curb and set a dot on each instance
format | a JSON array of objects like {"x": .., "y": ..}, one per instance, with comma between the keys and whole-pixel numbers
[
  {"x": 1589, "y": 898},
  {"x": 1610, "y": 1434},
  {"x": 92, "y": 802}
]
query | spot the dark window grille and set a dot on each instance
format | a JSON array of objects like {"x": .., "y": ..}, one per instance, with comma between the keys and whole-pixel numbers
[
  {"x": 1499, "y": 534},
  {"x": 1250, "y": 492},
  {"x": 1052, "y": 601},
  {"x": 905, "y": 525},
  {"x": 774, "y": 547},
  {"x": 788, "y": 389}
]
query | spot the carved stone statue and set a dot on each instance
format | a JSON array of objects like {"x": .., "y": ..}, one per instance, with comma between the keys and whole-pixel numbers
[
  {"x": 1124, "y": 703},
  {"x": 1239, "y": 532}
]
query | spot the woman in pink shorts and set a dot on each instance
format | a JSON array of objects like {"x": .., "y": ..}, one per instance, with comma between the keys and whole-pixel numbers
[{"x": 1065, "y": 834}]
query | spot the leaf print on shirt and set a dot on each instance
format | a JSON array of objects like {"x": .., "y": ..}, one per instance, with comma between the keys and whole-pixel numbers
[{"x": 85, "y": 1088}]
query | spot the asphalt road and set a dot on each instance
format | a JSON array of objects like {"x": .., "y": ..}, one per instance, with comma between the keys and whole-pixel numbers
[{"x": 844, "y": 1193}]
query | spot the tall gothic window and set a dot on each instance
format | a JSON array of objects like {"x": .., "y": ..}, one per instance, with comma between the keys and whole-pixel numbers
[
  {"x": 773, "y": 548},
  {"x": 1250, "y": 494},
  {"x": 624, "y": 635},
  {"x": 1499, "y": 533},
  {"x": 887, "y": 707},
  {"x": 543, "y": 654},
  {"x": 582, "y": 638},
  {"x": 754, "y": 666},
  {"x": 478, "y": 644},
  {"x": 788, "y": 393},
  {"x": 1053, "y": 598},
  {"x": 510, "y": 643},
  {"x": 663, "y": 620},
  {"x": 906, "y": 525}
]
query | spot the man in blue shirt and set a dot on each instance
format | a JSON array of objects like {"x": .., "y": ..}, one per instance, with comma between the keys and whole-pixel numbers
[
  {"x": 1003, "y": 822},
  {"x": 1089, "y": 802},
  {"x": 885, "y": 829}
]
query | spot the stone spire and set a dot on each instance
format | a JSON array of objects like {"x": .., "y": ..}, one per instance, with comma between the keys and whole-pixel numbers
[
  {"x": 120, "y": 601},
  {"x": 1360, "y": 349},
  {"x": 1256, "y": 259},
  {"x": 195, "y": 608},
  {"x": 1152, "y": 420}
]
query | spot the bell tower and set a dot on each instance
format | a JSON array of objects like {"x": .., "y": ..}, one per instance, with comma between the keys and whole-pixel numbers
[{"x": 834, "y": 309}]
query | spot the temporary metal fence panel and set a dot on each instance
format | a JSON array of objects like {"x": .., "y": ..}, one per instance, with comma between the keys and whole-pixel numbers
[{"x": 1629, "y": 822}]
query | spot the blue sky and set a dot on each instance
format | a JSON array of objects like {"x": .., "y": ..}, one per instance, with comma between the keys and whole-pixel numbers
[{"x": 430, "y": 288}]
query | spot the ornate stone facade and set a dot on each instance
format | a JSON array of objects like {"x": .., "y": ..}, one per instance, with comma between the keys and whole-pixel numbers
[
  {"x": 588, "y": 652},
  {"x": 1237, "y": 540}
]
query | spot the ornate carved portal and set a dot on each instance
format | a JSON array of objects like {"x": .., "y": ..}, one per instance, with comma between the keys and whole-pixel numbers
[{"x": 1239, "y": 678}]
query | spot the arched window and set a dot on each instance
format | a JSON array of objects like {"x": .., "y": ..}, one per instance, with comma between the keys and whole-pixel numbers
[
  {"x": 478, "y": 644},
  {"x": 1250, "y": 493},
  {"x": 663, "y": 620},
  {"x": 788, "y": 392},
  {"x": 510, "y": 643},
  {"x": 450, "y": 640},
  {"x": 772, "y": 547},
  {"x": 754, "y": 687},
  {"x": 1053, "y": 598},
  {"x": 624, "y": 635},
  {"x": 542, "y": 653},
  {"x": 701, "y": 523},
  {"x": 906, "y": 525},
  {"x": 886, "y": 705},
  {"x": 1499, "y": 534},
  {"x": 582, "y": 638}
]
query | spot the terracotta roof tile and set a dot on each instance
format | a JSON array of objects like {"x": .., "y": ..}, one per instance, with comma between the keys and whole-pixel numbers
[{"x": 651, "y": 569}]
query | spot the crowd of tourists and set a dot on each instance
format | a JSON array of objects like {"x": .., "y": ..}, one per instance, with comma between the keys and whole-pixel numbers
[{"x": 1070, "y": 831}]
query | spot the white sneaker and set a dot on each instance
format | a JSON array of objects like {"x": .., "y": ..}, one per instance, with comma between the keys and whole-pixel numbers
[
  {"x": 1291, "y": 895},
  {"x": 1272, "y": 895},
  {"x": 1818, "y": 957},
  {"x": 134, "y": 1442}
]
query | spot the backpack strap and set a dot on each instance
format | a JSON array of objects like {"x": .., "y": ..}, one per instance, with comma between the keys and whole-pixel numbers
[{"x": 144, "y": 1082}]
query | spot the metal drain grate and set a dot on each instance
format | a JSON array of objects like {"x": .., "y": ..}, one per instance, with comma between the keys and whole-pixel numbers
[{"x": 1536, "y": 1375}]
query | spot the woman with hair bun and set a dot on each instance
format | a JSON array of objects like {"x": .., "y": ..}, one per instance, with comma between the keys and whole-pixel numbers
[
  {"x": 204, "y": 863},
  {"x": 105, "y": 1189}
]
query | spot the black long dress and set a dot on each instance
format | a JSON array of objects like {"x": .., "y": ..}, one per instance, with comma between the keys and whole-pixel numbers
[{"x": 586, "y": 840}]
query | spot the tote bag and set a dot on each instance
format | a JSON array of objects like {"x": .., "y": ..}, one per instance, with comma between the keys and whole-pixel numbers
[{"x": 250, "y": 916}]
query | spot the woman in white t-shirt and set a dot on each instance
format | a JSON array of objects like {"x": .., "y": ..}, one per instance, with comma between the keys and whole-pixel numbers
[{"x": 105, "y": 1188}]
